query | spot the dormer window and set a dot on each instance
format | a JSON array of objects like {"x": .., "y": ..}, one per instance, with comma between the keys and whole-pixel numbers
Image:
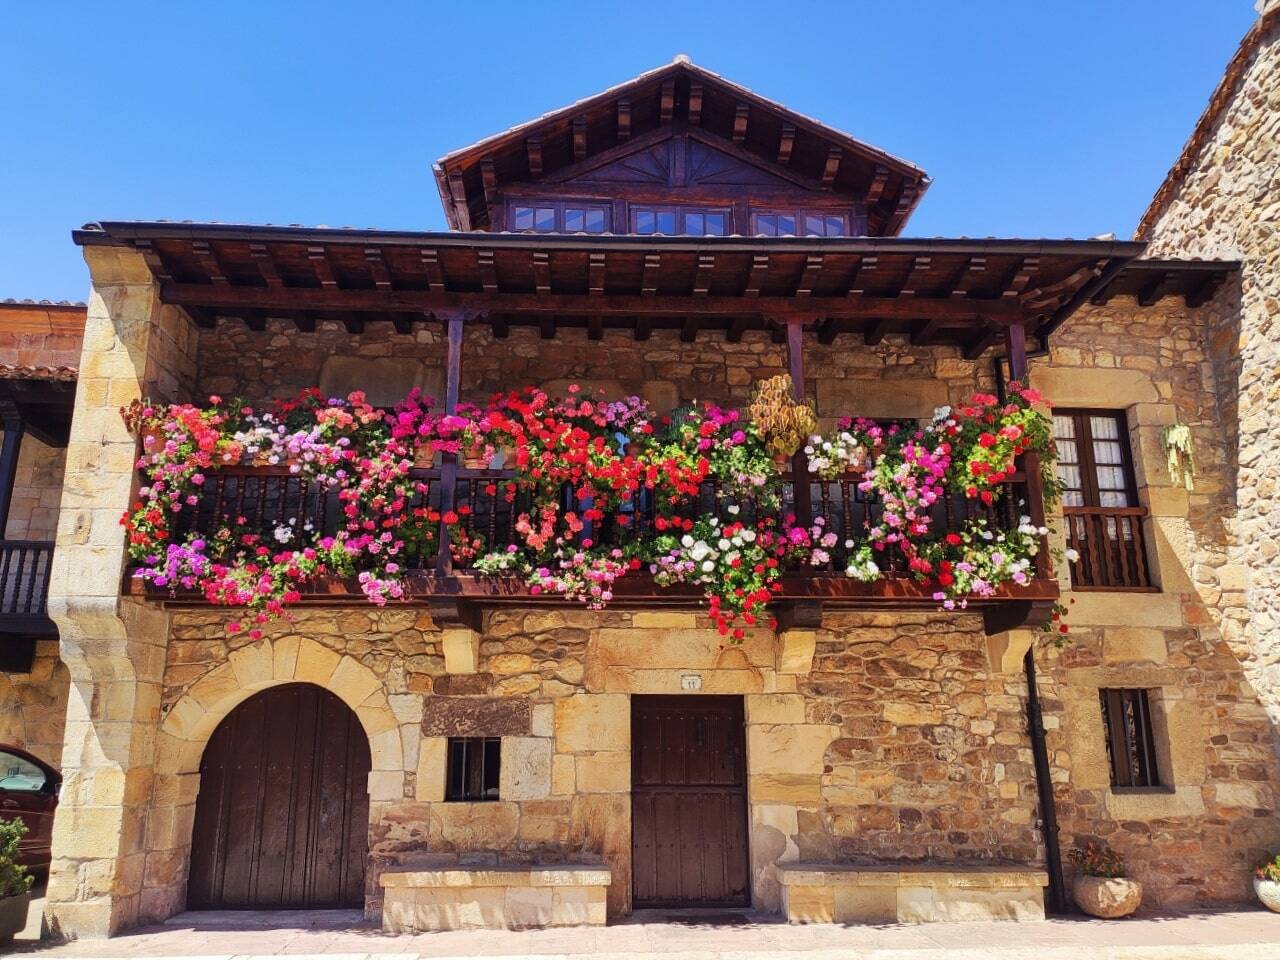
[
  {"x": 673, "y": 221},
  {"x": 556, "y": 216},
  {"x": 799, "y": 223}
]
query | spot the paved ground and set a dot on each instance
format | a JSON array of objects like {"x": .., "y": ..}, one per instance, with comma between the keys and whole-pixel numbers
[{"x": 1243, "y": 935}]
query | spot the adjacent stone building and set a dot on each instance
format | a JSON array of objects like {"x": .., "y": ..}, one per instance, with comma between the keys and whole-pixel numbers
[{"x": 875, "y": 758}]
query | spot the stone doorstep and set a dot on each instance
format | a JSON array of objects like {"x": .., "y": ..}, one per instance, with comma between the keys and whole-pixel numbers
[
  {"x": 590, "y": 875},
  {"x": 973, "y": 878}
]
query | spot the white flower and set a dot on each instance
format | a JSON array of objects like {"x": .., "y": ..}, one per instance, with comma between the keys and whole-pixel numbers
[
  {"x": 748, "y": 535},
  {"x": 724, "y": 543},
  {"x": 1072, "y": 555},
  {"x": 708, "y": 567},
  {"x": 686, "y": 541},
  {"x": 734, "y": 509}
]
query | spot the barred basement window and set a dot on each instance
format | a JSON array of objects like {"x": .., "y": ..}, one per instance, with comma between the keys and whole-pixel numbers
[
  {"x": 473, "y": 768},
  {"x": 1126, "y": 715}
]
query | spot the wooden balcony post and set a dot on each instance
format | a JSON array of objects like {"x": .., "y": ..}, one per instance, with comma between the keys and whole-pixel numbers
[
  {"x": 11, "y": 417},
  {"x": 799, "y": 462},
  {"x": 1015, "y": 337},
  {"x": 449, "y": 462}
]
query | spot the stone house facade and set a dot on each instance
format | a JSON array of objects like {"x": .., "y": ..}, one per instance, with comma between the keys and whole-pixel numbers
[{"x": 870, "y": 736}]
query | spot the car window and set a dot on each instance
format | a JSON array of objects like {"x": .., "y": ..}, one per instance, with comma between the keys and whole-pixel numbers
[{"x": 19, "y": 774}]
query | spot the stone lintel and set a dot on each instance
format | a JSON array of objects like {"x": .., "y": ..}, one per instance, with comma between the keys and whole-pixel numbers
[{"x": 477, "y": 717}]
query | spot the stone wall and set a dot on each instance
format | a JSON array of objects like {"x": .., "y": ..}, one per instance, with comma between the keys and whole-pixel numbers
[
  {"x": 1225, "y": 206},
  {"x": 37, "y": 491},
  {"x": 33, "y": 706}
]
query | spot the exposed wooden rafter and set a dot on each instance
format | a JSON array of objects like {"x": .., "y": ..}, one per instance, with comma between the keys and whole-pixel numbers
[
  {"x": 924, "y": 331},
  {"x": 809, "y": 279},
  {"x": 266, "y": 264},
  {"x": 541, "y": 271},
  {"x": 667, "y": 102},
  {"x": 624, "y": 118},
  {"x": 759, "y": 268},
  {"x": 917, "y": 273},
  {"x": 533, "y": 151},
  {"x": 579, "y": 139},
  {"x": 832, "y": 167},
  {"x": 864, "y": 267},
  {"x": 595, "y": 274},
  {"x": 430, "y": 258},
  {"x": 1017, "y": 283},
  {"x": 488, "y": 271},
  {"x": 879, "y": 180},
  {"x": 1155, "y": 288},
  {"x": 877, "y": 331},
  {"x": 695, "y": 104},
  {"x": 321, "y": 267},
  {"x": 741, "y": 114},
  {"x": 458, "y": 190},
  {"x": 489, "y": 180},
  {"x": 652, "y": 266},
  {"x": 377, "y": 268},
  {"x": 964, "y": 280},
  {"x": 154, "y": 260},
  {"x": 786, "y": 142},
  {"x": 702, "y": 279},
  {"x": 981, "y": 343},
  {"x": 209, "y": 261}
]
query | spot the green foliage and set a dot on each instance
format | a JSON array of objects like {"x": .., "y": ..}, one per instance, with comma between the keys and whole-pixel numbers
[
  {"x": 1269, "y": 869},
  {"x": 1099, "y": 861},
  {"x": 14, "y": 879}
]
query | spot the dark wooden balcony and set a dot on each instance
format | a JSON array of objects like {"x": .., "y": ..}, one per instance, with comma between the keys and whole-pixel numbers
[
  {"x": 24, "y": 592},
  {"x": 1112, "y": 548},
  {"x": 266, "y": 498}
]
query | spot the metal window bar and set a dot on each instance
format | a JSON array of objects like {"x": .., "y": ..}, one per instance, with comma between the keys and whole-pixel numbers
[
  {"x": 1126, "y": 715},
  {"x": 473, "y": 770}
]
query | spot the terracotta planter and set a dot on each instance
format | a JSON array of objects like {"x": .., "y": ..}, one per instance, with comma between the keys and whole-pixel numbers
[
  {"x": 1107, "y": 897},
  {"x": 1268, "y": 892},
  {"x": 13, "y": 915},
  {"x": 859, "y": 462},
  {"x": 425, "y": 458},
  {"x": 152, "y": 438},
  {"x": 472, "y": 462}
]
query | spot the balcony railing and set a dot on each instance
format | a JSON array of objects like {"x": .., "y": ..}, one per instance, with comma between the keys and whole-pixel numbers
[
  {"x": 1112, "y": 548},
  {"x": 24, "y": 592},
  {"x": 266, "y": 498}
]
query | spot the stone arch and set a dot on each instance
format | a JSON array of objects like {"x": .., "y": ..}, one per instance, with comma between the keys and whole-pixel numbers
[{"x": 187, "y": 725}]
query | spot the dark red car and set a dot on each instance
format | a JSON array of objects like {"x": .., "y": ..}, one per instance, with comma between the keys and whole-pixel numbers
[{"x": 29, "y": 791}]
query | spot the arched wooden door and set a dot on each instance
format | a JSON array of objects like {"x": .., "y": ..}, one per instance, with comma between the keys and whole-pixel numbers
[{"x": 282, "y": 818}]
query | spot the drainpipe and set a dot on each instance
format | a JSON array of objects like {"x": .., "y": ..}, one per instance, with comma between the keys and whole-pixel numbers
[{"x": 1044, "y": 789}]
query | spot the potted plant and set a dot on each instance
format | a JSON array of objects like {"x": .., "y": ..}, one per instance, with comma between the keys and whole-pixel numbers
[
  {"x": 784, "y": 422},
  {"x": 1266, "y": 883},
  {"x": 1101, "y": 888},
  {"x": 15, "y": 882}
]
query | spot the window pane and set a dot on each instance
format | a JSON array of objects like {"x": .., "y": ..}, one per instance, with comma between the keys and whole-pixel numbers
[
  {"x": 595, "y": 221},
  {"x": 575, "y": 219},
  {"x": 715, "y": 225},
  {"x": 522, "y": 218},
  {"x": 1104, "y": 428},
  {"x": 814, "y": 226},
  {"x": 544, "y": 219},
  {"x": 693, "y": 224},
  {"x": 19, "y": 774},
  {"x": 835, "y": 227},
  {"x": 767, "y": 224},
  {"x": 645, "y": 221},
  {"x": 786, "y": 225},
  {"x": 1064, "y": 427},
  {"x": 665, "y": 222}
]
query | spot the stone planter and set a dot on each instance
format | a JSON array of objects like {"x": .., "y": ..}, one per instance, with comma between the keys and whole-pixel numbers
[
  {"x": 1107, "y": 897},
  {"x": 13, "y": 915},
  {"x": 1268, "y": 892}
]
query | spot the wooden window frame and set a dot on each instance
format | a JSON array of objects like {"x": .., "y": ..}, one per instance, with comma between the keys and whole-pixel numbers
[
  {"x": 679, "y": 211},
  {"x": 800, "y": 213},
  {"x": 1111, "y": 540},
  {"x": 559, "y": 206},
  {"x": 467, "y": 770},
  {"x": 1130, "y": 739}
]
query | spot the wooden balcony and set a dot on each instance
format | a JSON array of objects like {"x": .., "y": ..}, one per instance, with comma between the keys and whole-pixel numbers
[
  {"x": 1112, "y": 548},
  {"x": 266, "y": 498},
  {"x": 24, "y": 591}
]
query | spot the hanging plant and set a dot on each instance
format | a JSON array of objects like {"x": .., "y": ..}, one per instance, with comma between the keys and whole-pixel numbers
[
  {"x": 1179, "y": 454},
  {"x": 785, "y": 423}
]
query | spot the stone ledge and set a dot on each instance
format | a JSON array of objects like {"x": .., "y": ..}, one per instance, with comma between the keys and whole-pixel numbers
[
  {"x": 504, "y": 876},
  {"x": 975, "y": 877}
]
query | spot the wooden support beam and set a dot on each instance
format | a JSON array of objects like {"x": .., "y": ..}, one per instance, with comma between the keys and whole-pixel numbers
[
  {"x": 667, "y": 101},
  {"x": 354, "y": 324},
  {"x": 968, "y": 277},
  {"x": 741, "y": 114},
  {"x": 799, "y": 390},
  {"x": 702, "y": 279},
  {"x": 649, "y": 282},
  {"x": 624, "y": 118},
  {"x": 488, "y": 271},
  {"x": 643, "y": 327},
  {"x": 449, "y": 468},
  {"x": 533, "y": 151},
  {"x": 154, "y": 260},
  {"x": 916, "y": 274},
  {"x": 321, "y": 267},
  {"x": 595, "y": 328},
  {"x": 266, "y": 264},
  {"x": 255, "y": 321},
  {"x": 786, "y": 142},
  {"x": 861, "y": 269},
  {"x": 1016, "y": 285},
  {"x": 579, "y": 139},
  {"x": 306, "y": 322},
  {"x": 206, "y": 319},
  {"x": 403, "y": 323},
  {"x": 595, "y": 274},
  {"x": 458, "y": 190},
  {"x": 737, "y": 327},
  {"x": 489, "y": 179},
  {"x": 828, "y": 330},
  {"x": 377, "y": 268},
  {"x": 906, "y": 198},
  {"x": 877, "y": 331},
  {"x": 689, "y": 331},
  {"x": 924, "y": 332},
  {"x": 695, "y": 104},
  {"x": 231, "y": 299},
  {"x": 981, "y": 343},
  {"x": 832, "y": 167},
  {"x": 208, "y": 260},
  {"x": 879, "y": 180},
  {"x": 542, "y": 271},
  {"x": 759, "y": 268},
  {"x": 809, "y": 279},
  {"x": 501, "y": 328},
  {"x": 1206, "y": 291},
  {"x": 1155, "y": 288},
  {"x": 547, "y": 328},
  {"x": 1015, "y": 339},
  {"x": 435, "y": 275}
]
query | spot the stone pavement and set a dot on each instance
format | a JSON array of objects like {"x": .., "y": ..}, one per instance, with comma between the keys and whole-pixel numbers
[{"x": 1240, "y": 935}]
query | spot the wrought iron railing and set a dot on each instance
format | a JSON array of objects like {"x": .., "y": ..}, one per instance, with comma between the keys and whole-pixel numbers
[{"x": 263, "y": 499}]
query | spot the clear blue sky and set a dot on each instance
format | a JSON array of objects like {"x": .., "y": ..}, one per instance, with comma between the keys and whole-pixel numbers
[{"x": 1034, "y": 118}]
